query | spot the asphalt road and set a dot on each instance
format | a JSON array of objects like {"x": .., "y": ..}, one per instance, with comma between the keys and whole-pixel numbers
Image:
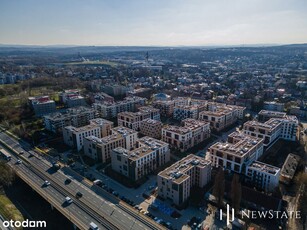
[{"x": 96, "y": 205}]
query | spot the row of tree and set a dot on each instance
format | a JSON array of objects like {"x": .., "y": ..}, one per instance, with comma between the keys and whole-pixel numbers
[{"x": 219, "y": 190}]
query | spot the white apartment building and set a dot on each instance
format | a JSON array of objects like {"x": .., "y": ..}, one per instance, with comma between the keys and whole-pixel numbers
[
  {"x": 237, "y": 153},
  {"x": 184, "y": 137},
  {"x": 74, "y": 137},
  {"x": 265, "y": 115},
  {"x": 270, "y": 131},
  {"x": 263, "y": 176},
  {"x": 175, "y": 182}
]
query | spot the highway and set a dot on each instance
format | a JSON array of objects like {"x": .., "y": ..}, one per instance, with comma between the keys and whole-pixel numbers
[{"x": 96, "y": 205}]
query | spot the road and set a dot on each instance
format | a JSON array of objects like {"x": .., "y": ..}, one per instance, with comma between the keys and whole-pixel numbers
[{"x": 96, "y": 205}]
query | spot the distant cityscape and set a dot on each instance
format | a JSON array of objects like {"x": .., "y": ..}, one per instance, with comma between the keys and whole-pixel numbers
[{"x": 158, "y": 137}]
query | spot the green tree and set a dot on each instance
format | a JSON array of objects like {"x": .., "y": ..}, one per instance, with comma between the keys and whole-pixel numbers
[
  {"x": 236, "y": 192},
  {"x": 7, "y": 174},
  {"x": 219, "y": 187}
]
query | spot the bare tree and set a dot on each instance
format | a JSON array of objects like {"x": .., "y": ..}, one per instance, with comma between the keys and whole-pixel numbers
[
  {"x": 7, "y": 174},
  {"x": 236, "y": 192},
  {"x": 219, "y": 187}
]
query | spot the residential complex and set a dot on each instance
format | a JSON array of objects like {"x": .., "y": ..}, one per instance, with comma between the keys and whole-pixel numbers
[
  {"x": 42, "y": 105},
  {"x": 176, "y": 181},
  {"x": 184, "y": 137},
  {"x": 289, "y": 168},
  {"x": 265, "y": 115},
  {"x": 239, "y": 151}
]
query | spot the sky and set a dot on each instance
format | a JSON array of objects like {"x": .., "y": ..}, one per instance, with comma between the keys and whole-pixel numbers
[{"x": 153, "y": 22}]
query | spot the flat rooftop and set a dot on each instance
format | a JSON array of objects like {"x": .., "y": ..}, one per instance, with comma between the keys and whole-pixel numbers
[
  {"x": 81, "y": 129},
  {"x": 290, "y": 165},
  {"x": 262, "y": 167},
  {"x": 177, "y": 171},
  {"x": 241, "y": 147},
  {"x": 270, "y": 124},
  {"x": 152, "y": 142},
  {"x": 272, "y": 113},
  {"x": 152, "y": 121},
  {"x": 101, "y": 121},
  {"x": 123, "y": 130},
  {"x": 134, "y": 154}
]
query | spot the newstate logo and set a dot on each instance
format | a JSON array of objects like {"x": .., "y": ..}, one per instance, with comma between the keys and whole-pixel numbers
[{"x": 230, "y": 215}]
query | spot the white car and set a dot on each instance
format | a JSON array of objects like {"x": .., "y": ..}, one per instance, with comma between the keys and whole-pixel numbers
[
  {"x": 46, "y": 183},
  {"x": 19, "y": 161},
  {"x": 68, "y": 200}
]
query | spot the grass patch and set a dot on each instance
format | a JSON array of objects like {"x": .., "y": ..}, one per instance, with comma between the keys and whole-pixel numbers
[{"x": 8, "y": 210}]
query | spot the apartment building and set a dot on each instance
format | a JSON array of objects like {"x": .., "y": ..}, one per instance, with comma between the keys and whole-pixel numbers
[
  {"x": 274, "y": 106},
  {"x": 185, "y": 111},
  {"x": 152, "y": 128},
  {"x": 220, "y": 117},
  {"x": 166, "y": 107},
  {"x": 111, "y": 109},
  {"x": 269, "y": 131},
  {"x": 100, "y": 149},
  {"x": 184, "y": 137},
  {"x": 131, "y": 120},
  {"x": 42, "y": 105},
  {"x": 130, "y": 136},
  {"x": 153, "y": 112},
  {"x": 72, "y": 98},
  {"x": 263, "y": 176},
  {"x": 161, "y": 148},
  {"x": 289, "y": 168},
  {"x": 77, "y": 117},
  {"x": 175, "y": 182},
  {"x": 134, "y": 164},
  {"x": 134, "y": 120},
  {"x": 239, "y": 151},
  {"x": 81, "y": 116},
  {"x": 74, "y": 136},
  {"x": 104, "y": 125},
  {"x": 265, "y": 115}
]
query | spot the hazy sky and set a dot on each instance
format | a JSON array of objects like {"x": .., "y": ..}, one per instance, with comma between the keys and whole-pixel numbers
[{"x": 153, "y": 22}]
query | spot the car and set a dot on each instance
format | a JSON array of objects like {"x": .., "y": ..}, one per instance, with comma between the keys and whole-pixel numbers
[
  {"x": 68, "y": 200},
  {"x": 115, "y": 193},
  {"x": 46, "y": 183},
  {"x": 79, "y": 194},
  {"x": 22, "y": 152},
  {"x": 19, "y": 161},
  {"x": 93, "y": 226},
  {"x": 67, "y": 181},
  {"x": 98, "y": 182}
]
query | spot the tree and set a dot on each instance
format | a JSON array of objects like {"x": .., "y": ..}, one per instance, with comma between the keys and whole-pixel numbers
[
  {"x": 219, "y": 187},
  {"x": 7, "y": 174},
  {"x": 236, "y": 192}
]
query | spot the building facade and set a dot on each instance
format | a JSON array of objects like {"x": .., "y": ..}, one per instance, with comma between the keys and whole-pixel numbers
[{"x": 176, "y": 181}]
